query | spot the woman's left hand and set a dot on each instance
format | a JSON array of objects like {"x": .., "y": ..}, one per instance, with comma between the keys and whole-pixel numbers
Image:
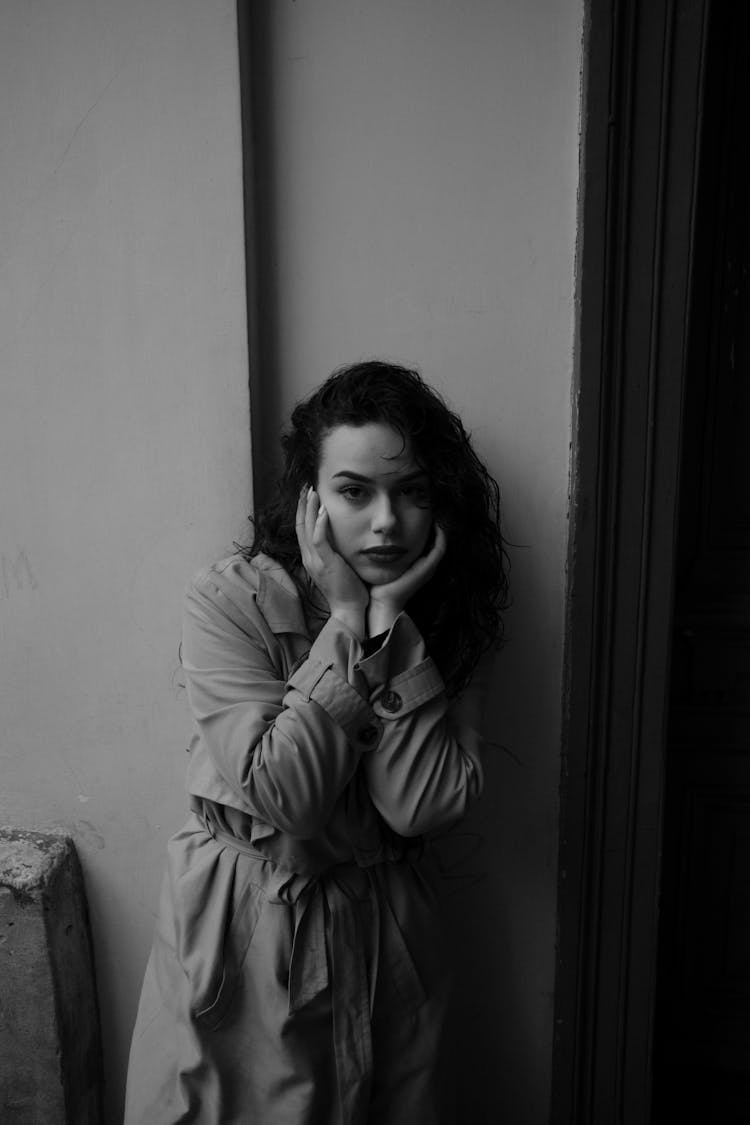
[{"x": 387, "y": 601}]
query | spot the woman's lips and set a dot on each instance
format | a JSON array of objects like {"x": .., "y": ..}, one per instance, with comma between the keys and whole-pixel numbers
[{"x": 384, "y": 554}]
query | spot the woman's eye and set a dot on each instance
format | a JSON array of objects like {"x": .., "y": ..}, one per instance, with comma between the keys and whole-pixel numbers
[
  {"x": 417, "y": 493},
  {"x": 353, "y": 492}
]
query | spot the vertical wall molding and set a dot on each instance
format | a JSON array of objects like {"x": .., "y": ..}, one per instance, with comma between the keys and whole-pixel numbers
[
  {"x": 261, "y": 251},
  {"x": 641, "y": 113},
  {"x": 248, "y": 114}
]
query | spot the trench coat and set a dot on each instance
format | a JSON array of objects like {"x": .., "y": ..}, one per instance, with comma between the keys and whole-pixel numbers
[{"x": 297, "y": 974}]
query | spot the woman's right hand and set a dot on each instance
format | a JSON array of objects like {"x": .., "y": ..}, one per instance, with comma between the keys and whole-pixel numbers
[{"x": 346, "y": 594}]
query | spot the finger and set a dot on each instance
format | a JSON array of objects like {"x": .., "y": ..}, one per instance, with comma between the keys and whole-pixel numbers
[
  {"x": 436, "y": 552},
  {"x": 320, "y": 531},
  {"x": 299, "y": 516},
  {"x": 426, "y": 566},
  {"x": 311, "y": 513},
  {"x": 299, "y": 520},
  {"x": 439, "y": 546}
]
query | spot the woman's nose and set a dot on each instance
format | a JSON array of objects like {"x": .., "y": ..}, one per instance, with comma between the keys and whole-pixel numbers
[{"x": 384, "y": 515}]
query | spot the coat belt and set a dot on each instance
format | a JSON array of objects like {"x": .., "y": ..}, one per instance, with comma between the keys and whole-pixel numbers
[{"x": 329, "y": 950}]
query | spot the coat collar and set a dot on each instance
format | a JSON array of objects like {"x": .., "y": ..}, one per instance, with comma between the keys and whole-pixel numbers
[{"x": 278, "y": 599}]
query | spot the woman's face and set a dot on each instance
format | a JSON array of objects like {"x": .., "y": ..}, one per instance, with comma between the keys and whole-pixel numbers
[{"x": 378, "y": 500}]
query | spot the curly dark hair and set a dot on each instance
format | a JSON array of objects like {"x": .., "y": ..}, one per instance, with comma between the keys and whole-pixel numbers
[{"x": 459, "y": 610}]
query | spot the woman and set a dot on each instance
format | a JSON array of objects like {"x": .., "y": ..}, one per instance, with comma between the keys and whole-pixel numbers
[{"x": 297, "y": 974}]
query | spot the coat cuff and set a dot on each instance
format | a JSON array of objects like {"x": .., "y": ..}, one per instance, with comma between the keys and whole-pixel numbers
[
  {"x": 401, "y": 675},
  {"x": 330, "y": 678}
]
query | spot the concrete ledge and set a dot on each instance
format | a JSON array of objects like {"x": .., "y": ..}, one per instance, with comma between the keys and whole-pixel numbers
[{"x": 50, "y": 1047}]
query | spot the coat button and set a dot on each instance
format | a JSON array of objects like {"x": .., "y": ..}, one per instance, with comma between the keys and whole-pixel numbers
[
  {"x": 368, "y": 734},
  {"x": 391, "y": 701}
]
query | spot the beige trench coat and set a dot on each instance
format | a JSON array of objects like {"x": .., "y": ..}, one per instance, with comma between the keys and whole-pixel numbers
[{"x": 297, "y": 973}]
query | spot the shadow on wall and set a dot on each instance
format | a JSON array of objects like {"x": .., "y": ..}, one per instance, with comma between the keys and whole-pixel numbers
[{"x": 497, "y": 879}]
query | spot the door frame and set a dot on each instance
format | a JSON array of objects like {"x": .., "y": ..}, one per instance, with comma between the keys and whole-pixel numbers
[{"x": 642, "y": 83}]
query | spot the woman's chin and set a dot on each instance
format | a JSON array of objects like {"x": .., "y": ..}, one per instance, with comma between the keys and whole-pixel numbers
[{"x": 380, "y": 573}]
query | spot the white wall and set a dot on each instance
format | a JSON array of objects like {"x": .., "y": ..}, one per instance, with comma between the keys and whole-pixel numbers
[
  {"x": 421, "y": 162},
  {"x": 423, "y": 169},
  {"x": 124, "y": 441}
]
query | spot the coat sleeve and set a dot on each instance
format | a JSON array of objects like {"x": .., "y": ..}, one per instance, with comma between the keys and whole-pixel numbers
[
  {"x": 286, "y": 747},
  {"x": 427, "y": 767}
]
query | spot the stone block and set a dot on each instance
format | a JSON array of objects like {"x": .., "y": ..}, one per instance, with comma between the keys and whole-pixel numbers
[{"x": 50, "y": 1047}]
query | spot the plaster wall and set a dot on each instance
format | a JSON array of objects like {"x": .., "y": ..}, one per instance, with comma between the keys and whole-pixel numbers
[
  {"x": 124, "y": 428},
  {"x": 418, "y": 169}
]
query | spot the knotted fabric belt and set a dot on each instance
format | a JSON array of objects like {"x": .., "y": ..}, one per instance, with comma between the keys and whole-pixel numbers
[{"x": 329, "y": 949}]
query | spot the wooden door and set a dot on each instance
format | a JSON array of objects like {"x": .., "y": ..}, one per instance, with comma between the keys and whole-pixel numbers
[{"x": 702, "y": 1046}]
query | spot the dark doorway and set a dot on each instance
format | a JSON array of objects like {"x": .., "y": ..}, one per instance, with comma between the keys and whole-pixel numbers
[
  {"x": 702, "y": 1048},
  {"x": 645, "y": 66}
]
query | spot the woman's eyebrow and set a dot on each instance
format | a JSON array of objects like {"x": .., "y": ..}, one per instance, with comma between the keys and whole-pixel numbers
[{"x": 406, "y": 478}]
